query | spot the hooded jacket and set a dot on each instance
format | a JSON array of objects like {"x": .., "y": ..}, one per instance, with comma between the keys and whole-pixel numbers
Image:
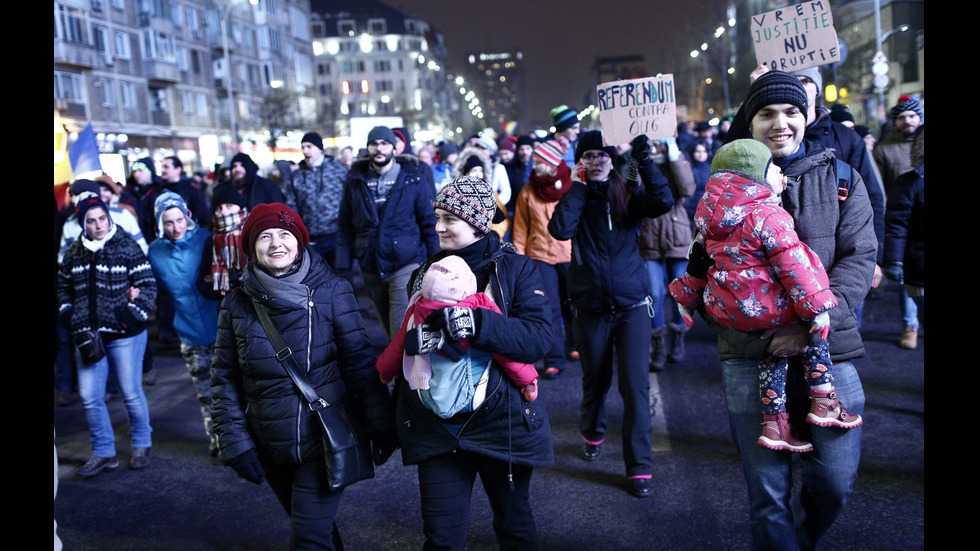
[
  {"x": 401, "y": 232},
  {"x": 257, "y": 189},
  {"x": 763, "y": 276},
  {"x": 842, "y": 235},
  {"x": 255, "y": 402},
  {"x": 176, "y": 265}
]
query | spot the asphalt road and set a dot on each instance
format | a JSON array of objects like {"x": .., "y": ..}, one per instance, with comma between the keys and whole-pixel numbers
[{"x": 187, "y": 501}]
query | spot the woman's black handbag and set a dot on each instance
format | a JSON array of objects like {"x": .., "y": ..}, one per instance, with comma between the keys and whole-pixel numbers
[
  {"x": 346, "y": 447},
  {"x": 90, "y": 346}
]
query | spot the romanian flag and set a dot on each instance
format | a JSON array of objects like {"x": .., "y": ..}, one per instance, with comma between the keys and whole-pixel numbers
[{"x": 510, "y": 128}]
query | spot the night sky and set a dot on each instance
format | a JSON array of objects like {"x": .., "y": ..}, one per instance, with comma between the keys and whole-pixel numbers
[{"x": 562, "y": 39}]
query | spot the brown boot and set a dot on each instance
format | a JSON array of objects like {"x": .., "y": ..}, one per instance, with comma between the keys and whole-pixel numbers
[
  {"x": 910, "y": 338},
  {"x": 826, "y": 411}
]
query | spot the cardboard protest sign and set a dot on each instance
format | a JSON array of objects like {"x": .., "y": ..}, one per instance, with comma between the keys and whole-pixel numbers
[
  {"x": 628, "y": 108},
  {"x": 796, "y": 37}
]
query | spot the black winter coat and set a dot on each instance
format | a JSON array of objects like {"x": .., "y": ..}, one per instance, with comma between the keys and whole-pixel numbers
[
  {"x": 254, "y": 401},
  {"x": 905, "y": 225},
  {"x": 400, "y": 233},
  {"x": 607, "y": 273},
  {"x": 505, "y": 426}
]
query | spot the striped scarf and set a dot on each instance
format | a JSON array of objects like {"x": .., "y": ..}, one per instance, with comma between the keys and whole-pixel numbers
[{"x": 227, "y": 249}]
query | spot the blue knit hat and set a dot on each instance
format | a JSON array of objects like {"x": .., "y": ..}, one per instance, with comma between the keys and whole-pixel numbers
[
  {"x": 170, "y": 200},
  {"x": 563, "y": 117}
]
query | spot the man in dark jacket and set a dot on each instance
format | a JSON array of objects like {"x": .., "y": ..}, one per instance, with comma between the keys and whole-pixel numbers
[
  {"x": 386, "y": 223},
  {"x": 254, "y": 189},
  {"x": 172, "y": 178},
  {"x": 314, "y": 191}
]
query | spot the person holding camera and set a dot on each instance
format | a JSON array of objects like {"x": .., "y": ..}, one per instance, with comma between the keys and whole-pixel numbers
[{"x": 106, "y": 290}]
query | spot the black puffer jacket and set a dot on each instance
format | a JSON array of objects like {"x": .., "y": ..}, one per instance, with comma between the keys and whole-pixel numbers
[
  {"x": 255, "y": 403},
  {"x": 505, "y": 426},
  {"x": 905, "y": 240}
]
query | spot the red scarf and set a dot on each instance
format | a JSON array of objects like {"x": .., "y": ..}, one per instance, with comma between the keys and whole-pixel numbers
[
  {"x": 227, "y": 250},
  {"x": 544, "y": 186}
]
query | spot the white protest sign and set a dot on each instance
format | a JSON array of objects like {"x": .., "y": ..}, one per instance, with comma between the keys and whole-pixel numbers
[
  {"x": 628, "y": 108},
  {"x": 796, "y": 37}
]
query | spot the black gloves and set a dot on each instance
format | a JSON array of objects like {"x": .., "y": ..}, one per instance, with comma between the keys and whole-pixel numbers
[
  {"x": 642, "y": 148},
  {"x": 458, "y": 321},
  {"x": 698, "y": 261},
  {"x": 248, "y": 467},
  {"x": 424, "y": 339},
  {"x": 383, "y": 445},
  {"x": 894, "y": 271}
]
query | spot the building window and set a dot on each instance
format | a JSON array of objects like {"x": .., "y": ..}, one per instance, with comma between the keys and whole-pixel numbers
[
  {"x": 122, "y": 46},
  {"x": 127, "y": 94},
  {"x": 195, "y": 62},
  {"x": 202, "y": 104},
  {"x": 70, "y": 24},
  {"x": 319, "y": 29},
  {"x": 68, "y": 86},
  {"x": 182, "y": 63},
  {"x": 108, "y": 92},
  {"x": 377, "y": 26},
  {"x": 187, "y": 102},
  {"x": 190, "y": 14},
  {"x": 96, "y": 5},
  {"x": 159, "y": 98},
  {"x": 101, "y": 40},
  {"x": 159, "y": 45},
  {"x": 346, "y": 27},
  {"x": 118, "y": 4}
]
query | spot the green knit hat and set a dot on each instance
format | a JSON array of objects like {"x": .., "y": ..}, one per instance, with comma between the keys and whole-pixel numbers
[{"x": 746, "y": 155}]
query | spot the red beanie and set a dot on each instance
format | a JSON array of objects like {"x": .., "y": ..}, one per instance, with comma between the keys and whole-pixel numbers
[{"x": 272, "y": 215}]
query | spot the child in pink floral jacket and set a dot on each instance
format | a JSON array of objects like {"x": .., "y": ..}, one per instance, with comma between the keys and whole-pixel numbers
[{"x": 761, "y": 277}]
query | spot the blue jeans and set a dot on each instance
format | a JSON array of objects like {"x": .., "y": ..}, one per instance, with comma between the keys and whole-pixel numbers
[
  {"x": 829, "y": 471},
  {"x": 662, "y": 272},
  {"x": 910, "y": 312},
  {"x": 126, "y": 356}
]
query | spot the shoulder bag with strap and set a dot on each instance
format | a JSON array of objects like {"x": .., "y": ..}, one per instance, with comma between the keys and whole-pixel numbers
[{"x": 346, "y": 447}]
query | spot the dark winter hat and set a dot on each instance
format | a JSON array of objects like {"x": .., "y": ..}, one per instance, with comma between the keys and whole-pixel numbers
[
  {"x": 447, "y": 149},
  {"x": 592, "y": 140},
  {"x": 401, "y": 134},
  {"x": 563, "y": 117},
  {"x": 381, "y": 133},
  {"x": 472, "y": 162},
  {"x": 227, "y": 194},
  {"x": 83, "y": 185},
  {"x": 313, "y": 138},
  {"x": 526, "y": 140},
  {"x": 88, "y": 203},
  {"x": 906, "y": 103},
  {"x": 471, "y": 199},
  {"x": 840, "y": 113},
  {"x": 746, "y": 155},
  {"x": 508, "y": 144},
  {"x": 771, "y": 88},
  {"x": 272, "y": 215}
]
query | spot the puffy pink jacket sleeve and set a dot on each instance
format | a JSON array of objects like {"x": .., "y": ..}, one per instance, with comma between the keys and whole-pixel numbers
[{"x": 798, "y": 268}]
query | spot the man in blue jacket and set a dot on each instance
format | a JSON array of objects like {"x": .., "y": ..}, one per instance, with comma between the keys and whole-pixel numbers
[
  {"x": 176, "y": 258},
  {"x": 386, "y": 223}
]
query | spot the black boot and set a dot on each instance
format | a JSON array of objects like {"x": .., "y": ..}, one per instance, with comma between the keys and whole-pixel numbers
[
  {"x": 677, "y": 332},
  {"x": 658, "y": 348}
]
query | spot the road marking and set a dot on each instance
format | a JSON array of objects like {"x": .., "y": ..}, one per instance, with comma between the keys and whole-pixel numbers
[{"x": 658, "y": 419}]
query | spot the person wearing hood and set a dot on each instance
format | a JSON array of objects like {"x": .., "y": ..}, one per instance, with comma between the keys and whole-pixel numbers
[
  {"x": 267, "y": 429},
  {"x": 760, "y": 275},
  {"x": 609, "y": 286},
  {"x": 503, "y": 436},
  {"x": 841, "y": 233},
  {"x": 106, "y": 291},
  {"x": 176, "y": 260},
  {"x": 173, "y": 178},
  {"x": 246, "y": 180},
  {"x": 142, "y": 178}
]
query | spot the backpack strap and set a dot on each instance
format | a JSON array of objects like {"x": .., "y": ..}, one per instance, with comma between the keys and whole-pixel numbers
[{"x": 843, "y": 179}]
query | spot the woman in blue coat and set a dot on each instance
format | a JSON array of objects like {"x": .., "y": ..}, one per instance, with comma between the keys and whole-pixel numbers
[
  {"x": 610, "y": 289},
  {"x": 504, "y": 437},
  {"x": 266, "y": 429}
]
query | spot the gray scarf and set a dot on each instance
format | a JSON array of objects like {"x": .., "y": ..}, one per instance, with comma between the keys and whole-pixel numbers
[{"x": 289, "y": 287}]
